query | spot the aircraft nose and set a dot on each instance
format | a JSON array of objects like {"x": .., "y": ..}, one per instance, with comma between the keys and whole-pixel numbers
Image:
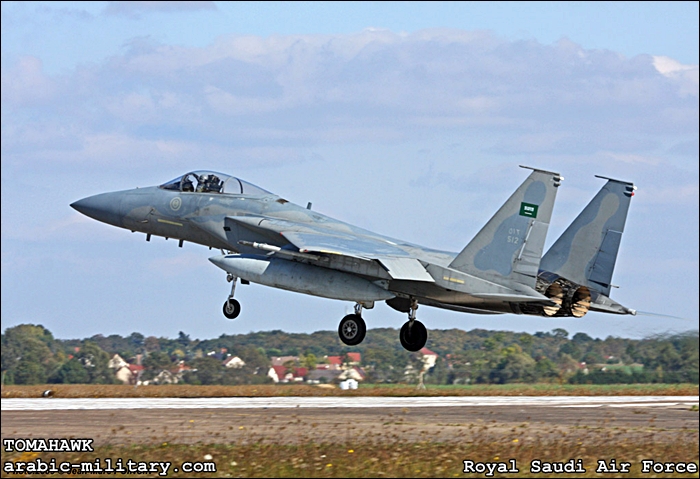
[{"x": 105, "y": 207}]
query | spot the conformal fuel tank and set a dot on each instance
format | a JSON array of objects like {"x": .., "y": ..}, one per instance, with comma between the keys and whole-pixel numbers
[{"x": 301, "y": 277}]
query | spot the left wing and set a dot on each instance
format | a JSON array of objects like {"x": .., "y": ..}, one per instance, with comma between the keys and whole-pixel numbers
[{"x": 314, "y": 239}]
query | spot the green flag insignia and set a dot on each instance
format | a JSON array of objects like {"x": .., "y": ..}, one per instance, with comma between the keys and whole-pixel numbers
[{"x": 527, "y": 209}]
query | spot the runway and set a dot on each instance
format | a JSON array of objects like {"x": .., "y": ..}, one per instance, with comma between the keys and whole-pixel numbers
[
  {"x": 296, "y": 420},
  {"x": 64, "y": 404}
]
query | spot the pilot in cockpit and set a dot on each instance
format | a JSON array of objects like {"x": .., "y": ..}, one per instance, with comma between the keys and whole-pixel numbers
[
  {"x": 187, "y": 184},
  {"x": 209, "y": 183}
]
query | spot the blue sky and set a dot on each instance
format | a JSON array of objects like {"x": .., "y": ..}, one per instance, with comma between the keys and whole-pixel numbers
[{"x": 409, "y": 119}]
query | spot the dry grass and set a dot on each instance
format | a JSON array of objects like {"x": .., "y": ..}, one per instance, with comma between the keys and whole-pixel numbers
[
  {"x": 390, "y": 457},
  {"x": 187, "y": 391},
  {"x": 390, "y": 449}
]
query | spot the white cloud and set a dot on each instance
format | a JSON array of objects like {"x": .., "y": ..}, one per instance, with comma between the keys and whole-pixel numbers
[
  {"x": 553, "y": 98},
  {"x": 26, "y": 84},
  {"x": 134, "y": 8},
  {"x": 687, "y": 76}
]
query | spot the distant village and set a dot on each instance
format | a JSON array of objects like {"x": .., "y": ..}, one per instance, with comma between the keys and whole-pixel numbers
[
  {"x": 31, "y": 355},
  {"x": 345, "y": 371}
]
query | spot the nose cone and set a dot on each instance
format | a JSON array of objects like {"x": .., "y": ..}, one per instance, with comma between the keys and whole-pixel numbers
[{"x": 105, "y": 207}]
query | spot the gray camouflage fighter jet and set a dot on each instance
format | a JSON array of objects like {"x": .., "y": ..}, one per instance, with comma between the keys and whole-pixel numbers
[{"x": 266, "y": 239}]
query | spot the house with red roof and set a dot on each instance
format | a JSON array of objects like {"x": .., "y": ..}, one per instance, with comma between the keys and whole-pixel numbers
[
  {"x": 283, "y": 374},
  {"x": 429, "y": 358},
  {"x": 129, "y": 373},
  {"x": 336, "y": 362}
]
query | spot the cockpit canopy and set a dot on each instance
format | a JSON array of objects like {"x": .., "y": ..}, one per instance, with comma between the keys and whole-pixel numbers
[{"x": 213, "y": 182}]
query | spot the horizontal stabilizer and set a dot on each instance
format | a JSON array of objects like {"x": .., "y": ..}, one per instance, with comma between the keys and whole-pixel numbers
[{"x": 604, "y": 304}]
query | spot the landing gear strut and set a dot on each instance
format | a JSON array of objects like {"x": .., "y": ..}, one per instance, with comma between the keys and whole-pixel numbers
[
  {"x": 413, "y": 335},
  {"x": 352, "y": 328},
  {"x": 232, "y": 308}
]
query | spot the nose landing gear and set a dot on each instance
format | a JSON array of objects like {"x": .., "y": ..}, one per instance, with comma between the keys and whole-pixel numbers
[{"x": 232, "y": 308}]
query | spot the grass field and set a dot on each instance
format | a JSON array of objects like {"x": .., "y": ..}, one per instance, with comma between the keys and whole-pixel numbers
[
  {"x": 388, "y": 458},
  {"x": 182, "y": 390},
  {"x": 384, "y": 451}
]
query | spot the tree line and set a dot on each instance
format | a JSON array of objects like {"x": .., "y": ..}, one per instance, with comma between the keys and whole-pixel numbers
[{"x": 31, "y": 355}]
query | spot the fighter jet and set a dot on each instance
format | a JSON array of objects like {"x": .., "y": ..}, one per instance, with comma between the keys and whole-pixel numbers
[{"x": 268, "y": 240}]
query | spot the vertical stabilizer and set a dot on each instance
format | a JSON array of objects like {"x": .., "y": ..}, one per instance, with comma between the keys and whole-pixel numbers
[
  {"x": 509, "y": 247},
  {"x": 586, "y": 252}
]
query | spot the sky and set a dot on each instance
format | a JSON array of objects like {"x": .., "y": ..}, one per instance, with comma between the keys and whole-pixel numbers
[{"x": 408, "y": 119}]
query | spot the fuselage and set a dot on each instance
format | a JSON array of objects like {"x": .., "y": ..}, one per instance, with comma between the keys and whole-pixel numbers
[
  {"x": 201, "y": 217},
  {"x": 295, "y": 248}
]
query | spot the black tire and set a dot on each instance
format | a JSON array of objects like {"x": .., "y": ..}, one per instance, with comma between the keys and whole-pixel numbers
[
  {"x": 232, "y": 309},
  {"x": 352, "y": 329},
  {"x": 413, "y": 338}
]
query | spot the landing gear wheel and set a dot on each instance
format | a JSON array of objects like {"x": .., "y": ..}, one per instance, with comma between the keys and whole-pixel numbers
[
  {"x": 352, "y": 329},
  {"x": 413, "y": 336},
  {"x": 232, "y": 309}
]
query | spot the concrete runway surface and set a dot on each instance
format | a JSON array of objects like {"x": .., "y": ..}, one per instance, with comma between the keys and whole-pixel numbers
[
  {"x": 40, "y": 404},
  {"x": 344, "y": 420}
]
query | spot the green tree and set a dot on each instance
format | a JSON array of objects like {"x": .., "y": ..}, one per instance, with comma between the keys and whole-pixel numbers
[
  {"x": 592, "y": 357},
  {"x": 157, "y": 360},
  {"x": 567, "y": 366},
  {"x": 438, "y": 373},
  {"x": 177, "y": 354},
  {"x": 71, "y": 372},
  {"x": 384, "y": 365},
  {"x": 183, "y": 339},
  {"x": 570, "y": 348},
  {"x": 309, "y": 361},
  {"x": 154, "y": 363},
  {"x": 560, "y": 333},
  {"x": 490, "y": 344},
  {"x": 96, "y": 362},
  {"x": 206, "y": 370},
  {"x": 151, "y": 343},
  {"x": 27, "y": 357},
  {"x": 136, "y": 341},
  {"x": 255, "y": 359},
  {"x": 514, "y": 366},
  {"x": 526, "y": 340},
  {"x": 546, "y": 369},
  {"x": 28, "y": 372},
  {"x": 581, "y": 338}
]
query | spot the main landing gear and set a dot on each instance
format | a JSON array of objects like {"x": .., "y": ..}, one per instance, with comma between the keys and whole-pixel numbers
[
  {"x": 232, "y": 308},
  {"x": 352, "y": 328},
  {"x": 413, "y": 334}
]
